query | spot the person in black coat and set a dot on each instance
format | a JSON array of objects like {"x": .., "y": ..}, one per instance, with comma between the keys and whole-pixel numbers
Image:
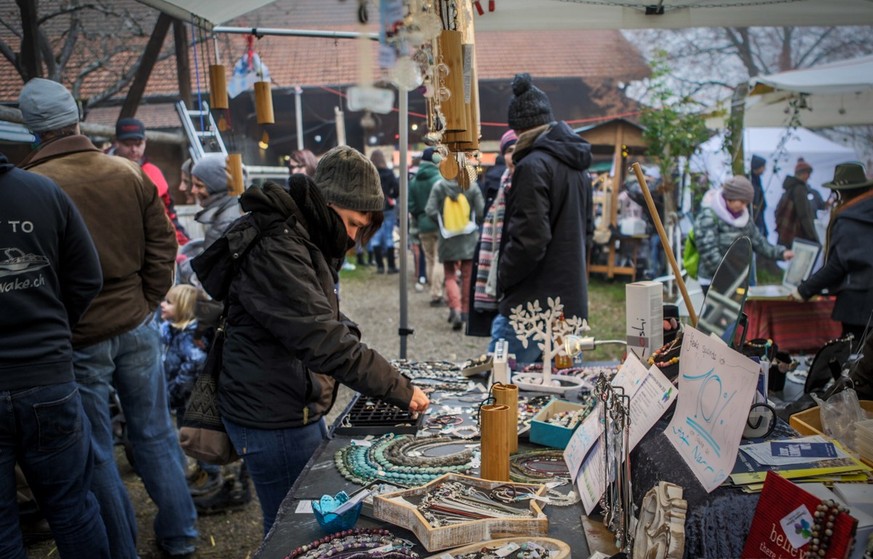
[
  {"x": 287, "y": 344},
  {"x": 759, "y": 202},
  {"x": 548, "y": 218},
  {"x": 848, "y": 268},
  {"x": 49, "y": 274}
]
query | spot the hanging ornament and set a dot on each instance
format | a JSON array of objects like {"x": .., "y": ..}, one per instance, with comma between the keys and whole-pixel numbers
[
  {"x": 406, "y": 74},
  {"x": 217, "y": 87},
  {"x": 264, "y": 103},
  {"x": 237, "y": 182}
]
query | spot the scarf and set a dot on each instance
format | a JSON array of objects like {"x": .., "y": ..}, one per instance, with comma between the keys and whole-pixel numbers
[{"x": 489, "y": 246}]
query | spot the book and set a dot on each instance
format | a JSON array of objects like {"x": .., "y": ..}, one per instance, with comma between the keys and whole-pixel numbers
[
  {"x": 747, "y": 470},
  {"x": 784, "y": 520}
]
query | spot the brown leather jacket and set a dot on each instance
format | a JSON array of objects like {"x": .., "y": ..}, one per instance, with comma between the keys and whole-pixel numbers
[{"x": 126, "y": 218}]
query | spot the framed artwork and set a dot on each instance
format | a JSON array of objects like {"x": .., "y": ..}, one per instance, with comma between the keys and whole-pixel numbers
[{"x": 799, "y": 268}]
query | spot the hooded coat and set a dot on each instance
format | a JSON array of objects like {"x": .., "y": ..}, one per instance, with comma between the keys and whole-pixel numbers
[
  {"x": 49, "y": 273},
  {"x": 548, "y": 222},
  {"x": 420, "y": 186},
  {"x": 460, "y": 247},
  {"x": 802, "y": 223},
  {"x": 287, "y": 343},
  {"x": 848, "y": 269},
  {"x": 715, "y": 230}
]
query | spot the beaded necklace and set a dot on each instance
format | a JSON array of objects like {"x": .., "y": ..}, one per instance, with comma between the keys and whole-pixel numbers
[
  {"x": 356, "y": 544},
  {"x": 544, "y": 466},
  {"x": 441, "y": 370},
  {"x": 454, "y": 502},
  {"x": 660, "y": 358},
  {"x": 824, "y": 520},
  {"x": 403, "y": 460}
]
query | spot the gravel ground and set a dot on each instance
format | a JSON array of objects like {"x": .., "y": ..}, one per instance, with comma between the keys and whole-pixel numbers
[{"x": 370, "y": 299}]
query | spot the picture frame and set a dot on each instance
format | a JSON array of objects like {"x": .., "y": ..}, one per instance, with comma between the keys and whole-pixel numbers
[{"x": 799, "y": 268}]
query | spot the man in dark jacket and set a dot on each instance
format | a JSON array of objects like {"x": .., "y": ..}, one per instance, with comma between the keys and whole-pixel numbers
[
  {"x": 759, "y": 202},
  {"x": 287, "y": 343},
  {"x": 795, "y": 213},
  {"x": 49, "y": 273},
  {"x": 548, "y": 216},
  {"x": 848, "y": 268},
  {"x": 117, "y": 343}
]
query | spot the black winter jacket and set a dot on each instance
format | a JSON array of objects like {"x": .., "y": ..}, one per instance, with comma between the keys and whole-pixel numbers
[
  {"x": 848, "y": 270},
  {"x": 547, "y": 222},
  {"x": 49, "y": 274},
  {"x": 287, "y": 342}
]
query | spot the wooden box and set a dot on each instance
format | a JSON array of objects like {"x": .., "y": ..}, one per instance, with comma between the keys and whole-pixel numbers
[
  {"x": 547, "y": 434},
  {"x": 808, "y": 422},
  {"x": 399, "y": 508}
]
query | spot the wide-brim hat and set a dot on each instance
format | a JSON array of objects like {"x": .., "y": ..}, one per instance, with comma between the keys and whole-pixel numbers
[{"x": 848, "y": 176}]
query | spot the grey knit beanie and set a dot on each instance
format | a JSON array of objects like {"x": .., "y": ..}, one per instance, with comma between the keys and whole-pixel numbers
[
  {"x": 529, "y": 107},
  {"x": 738, "y": 188},
  {"x": 212, "y": 170},
  {"x": 47, "y": 105},
  {"x": 349, "y": 180}
]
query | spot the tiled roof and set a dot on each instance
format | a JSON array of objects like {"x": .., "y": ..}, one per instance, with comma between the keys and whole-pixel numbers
[{"x": 590, "y": 54}]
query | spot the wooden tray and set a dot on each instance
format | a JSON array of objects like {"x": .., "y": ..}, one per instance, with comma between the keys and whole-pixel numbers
[
  {"x": 558, "y": 549},
  {"x": 394, "y": 508}
]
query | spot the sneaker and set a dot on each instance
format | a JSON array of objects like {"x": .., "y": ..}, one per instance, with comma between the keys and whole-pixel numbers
[
  {"x": 202, "y": 483},
  {"x": 419, "y": 287},
  {"x": 231, "y": 495},
  {"x": 437, "y": 302}
]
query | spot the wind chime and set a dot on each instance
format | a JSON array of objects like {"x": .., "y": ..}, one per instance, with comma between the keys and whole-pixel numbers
[{"x": 435, "y": 49}]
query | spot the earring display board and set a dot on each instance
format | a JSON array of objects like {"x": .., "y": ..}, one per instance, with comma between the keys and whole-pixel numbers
[
  {"x": 370, "y": 416},
  {"x": 456, "y": 510}
]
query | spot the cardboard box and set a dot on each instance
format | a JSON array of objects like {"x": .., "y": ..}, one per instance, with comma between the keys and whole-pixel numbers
[
  {"x": 548, "y": 434},
  {"x": 808, "y": 422},
  {"x": 644, "y": 308}
]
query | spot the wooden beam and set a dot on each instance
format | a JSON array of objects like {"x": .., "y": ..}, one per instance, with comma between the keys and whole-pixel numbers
[
  {"x": 30, "y": 61},
  {"x": 183, "y": 65},
  {"x": 146, "y": 63}
]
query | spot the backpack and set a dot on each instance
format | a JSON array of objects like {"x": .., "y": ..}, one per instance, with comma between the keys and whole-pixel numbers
[
  {"x": 690, "y": 256},
  {"x": 787, "y": 225},
  {"x": 457, "y": 217}
]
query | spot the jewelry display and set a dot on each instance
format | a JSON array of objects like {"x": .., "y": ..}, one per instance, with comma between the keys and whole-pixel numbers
[
  {"x": 403, "y": 460},
  {"x": 455, "y": 502},
  {"x": 513, "y": 548},
  {"x": 660, "y": 531},
  {"x": 588, "y": 374},
  {"x": 494, "y": 442},
  {"x": 617, "y": 500},
  {"x": 439, "y": 370},
  {"x": 545, "y": 466},
  {"x": 667, "y": 354},
  {"x": 356, "y": 544}
]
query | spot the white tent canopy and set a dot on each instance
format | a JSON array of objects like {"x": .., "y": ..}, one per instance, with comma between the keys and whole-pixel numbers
[
  {"x": 834, "y": 94},
  {"x": 598, "y": 14},
  {"x": 781, "y": 147}
]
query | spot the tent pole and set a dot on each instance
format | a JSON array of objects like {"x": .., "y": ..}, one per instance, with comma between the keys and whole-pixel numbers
[{"x": 402, "y": 214}]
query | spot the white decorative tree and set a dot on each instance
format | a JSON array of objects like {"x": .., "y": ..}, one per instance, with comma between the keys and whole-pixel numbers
[{"x": 547, "y": 327}]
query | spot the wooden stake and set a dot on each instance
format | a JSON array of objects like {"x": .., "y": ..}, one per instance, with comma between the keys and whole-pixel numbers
[
  {"x": 494, "y": 442},
  {"x": 507, "y": 395},
  {"x": 665, "y": 242}
]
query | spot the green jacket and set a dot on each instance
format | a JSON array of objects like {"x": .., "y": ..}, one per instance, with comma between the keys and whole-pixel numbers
[{"x": 419, "y": 190}]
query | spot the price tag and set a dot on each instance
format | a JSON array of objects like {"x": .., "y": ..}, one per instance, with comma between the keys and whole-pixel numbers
[
  {"x": 373, "y": 98},
  {"x": 304, "y": 507}
]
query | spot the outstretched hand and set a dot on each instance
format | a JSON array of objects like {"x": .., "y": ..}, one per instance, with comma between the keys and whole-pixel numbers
[
  {"x": 796, "y": 296},
  {"x": 788, "y": 255},
  {"x": 419, "y": 401}
]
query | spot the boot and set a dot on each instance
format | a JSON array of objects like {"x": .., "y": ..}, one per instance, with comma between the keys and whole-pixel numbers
[
  {"x": 371, "y": 258},
  {"x": 377, "y": 254},
  {"x": 361, "y": 261},
  {"x": 392, "y": 267},
  {"x": 234, "y": 493}
]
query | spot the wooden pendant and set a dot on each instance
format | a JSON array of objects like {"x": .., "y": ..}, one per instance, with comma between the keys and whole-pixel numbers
[
  {"x": 237, "y": 182},
  {"x": 217, "y": 87},
  {"x": 264, "y": 103},
  {"x": 449, "y": 167}
]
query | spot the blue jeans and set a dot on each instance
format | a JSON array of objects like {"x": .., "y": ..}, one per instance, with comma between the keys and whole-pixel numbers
[
  {"x": 45, "y": 429},
  {"x": 132, "y": 363},
  {"x": 275, "y": 457},
  {"x": 384, "y": 237},
  {"x": 501, "y": 328}
]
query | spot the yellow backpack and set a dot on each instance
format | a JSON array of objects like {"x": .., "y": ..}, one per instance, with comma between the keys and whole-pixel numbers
[{"x": 457, "y": 217}]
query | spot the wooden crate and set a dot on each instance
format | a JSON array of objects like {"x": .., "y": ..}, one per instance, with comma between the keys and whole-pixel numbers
[
  {"x": 394, "y": 508},
  {"x": 808, "y": 422}
]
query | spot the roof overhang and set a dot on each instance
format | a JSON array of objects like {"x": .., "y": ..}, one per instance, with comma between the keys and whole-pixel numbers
[{"x": 599, "y": 14}]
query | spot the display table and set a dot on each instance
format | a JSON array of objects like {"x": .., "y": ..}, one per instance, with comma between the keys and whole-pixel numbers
[
  {"x": 292, "y": 529},
  {"x": 793, "y": 326}
]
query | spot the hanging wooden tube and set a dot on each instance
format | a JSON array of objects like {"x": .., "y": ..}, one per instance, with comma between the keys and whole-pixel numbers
[
  {"x": 494, "y": 442},
  {"x": 217, "y": 87},
  {"x": 451, "y": 53},
  {"x": 235, "y": 168},
  {"x": 507, "y": 395},
  {"x": 264, "y": 103}
]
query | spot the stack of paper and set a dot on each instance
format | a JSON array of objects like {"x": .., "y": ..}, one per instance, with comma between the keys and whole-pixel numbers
[{"x": 807, "y": 459}]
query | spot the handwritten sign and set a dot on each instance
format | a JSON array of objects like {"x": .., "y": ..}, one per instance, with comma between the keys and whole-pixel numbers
[{"x": 716, "y": 390}]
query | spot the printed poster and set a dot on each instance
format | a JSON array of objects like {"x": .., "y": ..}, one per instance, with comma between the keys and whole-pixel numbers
[{"x": 716, "y": 390}]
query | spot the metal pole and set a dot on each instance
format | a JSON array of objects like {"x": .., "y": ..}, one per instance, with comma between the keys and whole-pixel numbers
[
  {"x": 298, "y": 115},
  {"x": 262, "y": 31},
  {"x": 402, "y": 213}
]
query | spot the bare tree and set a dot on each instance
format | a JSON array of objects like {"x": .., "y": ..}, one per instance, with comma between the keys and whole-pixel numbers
[{"x": 93, "y": 46}]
